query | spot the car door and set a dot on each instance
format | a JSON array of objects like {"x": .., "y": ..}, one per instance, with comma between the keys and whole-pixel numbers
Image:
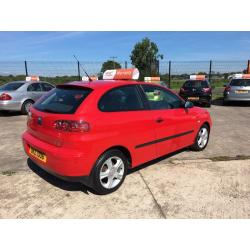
[
  {"x": 35, "y": 91},
  {"x": 124, "y": 116},
  {"x": 173, "y": 123}
]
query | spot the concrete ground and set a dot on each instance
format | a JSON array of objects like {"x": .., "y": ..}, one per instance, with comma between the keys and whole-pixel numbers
[{"x": 208, "y": 184}]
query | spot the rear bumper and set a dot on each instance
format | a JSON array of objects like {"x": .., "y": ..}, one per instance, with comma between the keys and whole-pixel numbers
[
  {"x": 10, "y": 105},
  {"x": 236, "y": 98},
  {"x": 62, "y": 162},
  {"x": 202, "y": 98},
  {"x": 81, "y": 179}
]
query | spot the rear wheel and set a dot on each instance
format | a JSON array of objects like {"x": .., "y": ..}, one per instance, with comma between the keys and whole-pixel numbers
[
  {"x": 201, "y": 139},
  {"x": 208, "y": 104},
  {"x": 225, "y": 103},
  {"x": 110, "y": 171},
  {"x": 26, "y": 106}
]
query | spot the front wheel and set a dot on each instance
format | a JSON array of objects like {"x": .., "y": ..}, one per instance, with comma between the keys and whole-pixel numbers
[
  {"x": 201, "y": 139},
  {"x": 110, "y": 171}
]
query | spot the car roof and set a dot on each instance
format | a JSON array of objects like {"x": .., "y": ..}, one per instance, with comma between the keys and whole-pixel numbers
[
  {"x": 28, "y": 82},
  {"x": 101, "y": 83}
]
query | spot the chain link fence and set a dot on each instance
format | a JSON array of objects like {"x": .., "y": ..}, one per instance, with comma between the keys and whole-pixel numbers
[{"x": 173, "y": 73}]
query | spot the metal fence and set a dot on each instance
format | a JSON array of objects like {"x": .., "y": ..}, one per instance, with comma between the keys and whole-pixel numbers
[{"x": 172, "y": 72}]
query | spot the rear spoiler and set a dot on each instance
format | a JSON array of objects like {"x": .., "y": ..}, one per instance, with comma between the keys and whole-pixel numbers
[{"x": 73, "y": 86}]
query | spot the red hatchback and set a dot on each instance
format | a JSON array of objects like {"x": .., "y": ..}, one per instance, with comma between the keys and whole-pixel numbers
[{"x": 94, "y": 132}]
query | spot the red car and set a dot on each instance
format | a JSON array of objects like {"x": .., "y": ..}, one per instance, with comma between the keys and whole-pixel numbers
[{"x": 94, "y": 132}]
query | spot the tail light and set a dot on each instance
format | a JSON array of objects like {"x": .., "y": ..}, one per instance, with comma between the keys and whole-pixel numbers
[
  {"x": 5, "y": 97},
  {"x": 206, "y": 90},
  {"x": 228, "y": 88},
  {"x": 71, "y": 126}
]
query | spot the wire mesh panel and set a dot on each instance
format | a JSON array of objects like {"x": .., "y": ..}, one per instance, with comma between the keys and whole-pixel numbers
[
  {"x": 222, "y": 70},
  {"x": 175, "y": 72},
  {"x": 52, "y": 69},
  {"x": 12, "y": 68}
]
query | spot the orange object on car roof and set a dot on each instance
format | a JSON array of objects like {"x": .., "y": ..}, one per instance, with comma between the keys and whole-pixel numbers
[
  {"x": 152, "y": 79},
  {"x": 86, "y": 79},
  {"x": 32, "y": 78},
  {"x": 121, "y": 74},
  {"x": 242, "y": 76},
  {"x": 197, "y": 77}
]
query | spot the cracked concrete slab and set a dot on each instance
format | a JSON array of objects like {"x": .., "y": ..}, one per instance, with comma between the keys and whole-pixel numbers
[
  {"x": 203, "y": 189},
  {"x": 26, "y": 195}
]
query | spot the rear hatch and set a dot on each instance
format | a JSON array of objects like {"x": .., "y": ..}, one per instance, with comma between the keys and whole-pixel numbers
[
  {"x": 195, "y": 87},
  {"x": 240, "y": 87},
  {"x": 59, "y": 104}
]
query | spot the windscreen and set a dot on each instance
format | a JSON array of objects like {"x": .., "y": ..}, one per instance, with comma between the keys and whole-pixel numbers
[
  {"x": 11, "y": 86},
  {"x": 195, "y": 84},
  {"x": 240, "y": 82},
  {"x": 62, "y": 100}
]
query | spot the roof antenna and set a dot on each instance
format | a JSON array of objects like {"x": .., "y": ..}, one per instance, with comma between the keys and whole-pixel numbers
[{"x": 83, "y": 69}]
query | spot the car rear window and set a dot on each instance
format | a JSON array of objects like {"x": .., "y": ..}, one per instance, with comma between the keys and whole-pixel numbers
[
  {"x": 240, "y": 82},
  {"x": 62, "y": 100},
  {"x": 195, "y": 84},
  {"x": 11, "y": 86}
]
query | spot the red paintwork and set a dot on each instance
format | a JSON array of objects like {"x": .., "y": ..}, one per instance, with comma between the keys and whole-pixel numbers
[{"x": 74, "y": 154}]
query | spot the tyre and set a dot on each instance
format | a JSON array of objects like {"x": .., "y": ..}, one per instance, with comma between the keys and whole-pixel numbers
[
  {"x": 201, "y": 139},
  {"x": 208, "y": 105},
  {"x": 26, "y": 106},
  {"x": 109, "y": 171},
  {"x": 224, "y": 102}
]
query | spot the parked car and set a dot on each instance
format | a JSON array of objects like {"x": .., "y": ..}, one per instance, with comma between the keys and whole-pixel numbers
[
  {"x": 238, "y": 89},
  {"x": 94, "y": 132},
  {"x": 197, "y": 90},
  {"x": 20, "y": 95}
]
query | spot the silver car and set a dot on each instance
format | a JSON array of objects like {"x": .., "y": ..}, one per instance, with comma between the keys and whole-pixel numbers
[
  {"x": 20, "y": 95},
  {"x": 237, "y": 90}
]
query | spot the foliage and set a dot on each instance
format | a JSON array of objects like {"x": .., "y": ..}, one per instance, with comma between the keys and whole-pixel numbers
[
  {"x": 110, "y": 65},
  {"x": 145, "y": 57}
]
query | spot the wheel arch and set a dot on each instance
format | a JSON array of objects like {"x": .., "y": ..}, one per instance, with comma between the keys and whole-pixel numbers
[
  {"x": 123, "y": 150},
  {"x": 207, "y": 123},
  {"x": 27, "y": 99}
]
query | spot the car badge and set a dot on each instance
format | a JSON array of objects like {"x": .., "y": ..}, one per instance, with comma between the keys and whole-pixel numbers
[{"x": 39, "y": 120}]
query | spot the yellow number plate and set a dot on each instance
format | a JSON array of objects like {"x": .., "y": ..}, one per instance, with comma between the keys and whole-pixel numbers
[
  {"x": 193, "y": 98},
  {"x": 40, "y": 156},
  {"x": 241, "y": 91}
]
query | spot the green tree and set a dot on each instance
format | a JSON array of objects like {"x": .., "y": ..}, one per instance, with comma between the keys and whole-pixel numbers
[
  {"x": 145, "y": 57},
  {"x": 110, "y": 65}
]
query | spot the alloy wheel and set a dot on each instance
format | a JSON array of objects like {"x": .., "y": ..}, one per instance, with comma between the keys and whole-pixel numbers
[{"x": 112, "y": 172}]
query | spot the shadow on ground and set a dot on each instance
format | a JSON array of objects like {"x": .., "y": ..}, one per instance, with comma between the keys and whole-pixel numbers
[
  {"x": 53, "y": 180},
  {"x": 9, "y": 113},
  {"x": 219, "y": 102},
  {"x": 155, "y": 161},
  {"x": 77, "y": 186}
]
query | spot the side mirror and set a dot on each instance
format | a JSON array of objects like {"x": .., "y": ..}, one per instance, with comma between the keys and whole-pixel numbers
[{"x": 188, "y": 105}]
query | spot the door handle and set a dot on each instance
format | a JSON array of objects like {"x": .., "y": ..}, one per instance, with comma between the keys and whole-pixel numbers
[{"x": 159, "y": 120}]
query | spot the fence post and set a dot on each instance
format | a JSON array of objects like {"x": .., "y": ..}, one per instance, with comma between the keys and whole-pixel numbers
[
  {"x": 26, "y": 68},
  {"x": 210, "y": 71},
  {"x": 126, "y": 64},
  {"x": 78, "y": 69},
  {"x": 169, "y": 74}
]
